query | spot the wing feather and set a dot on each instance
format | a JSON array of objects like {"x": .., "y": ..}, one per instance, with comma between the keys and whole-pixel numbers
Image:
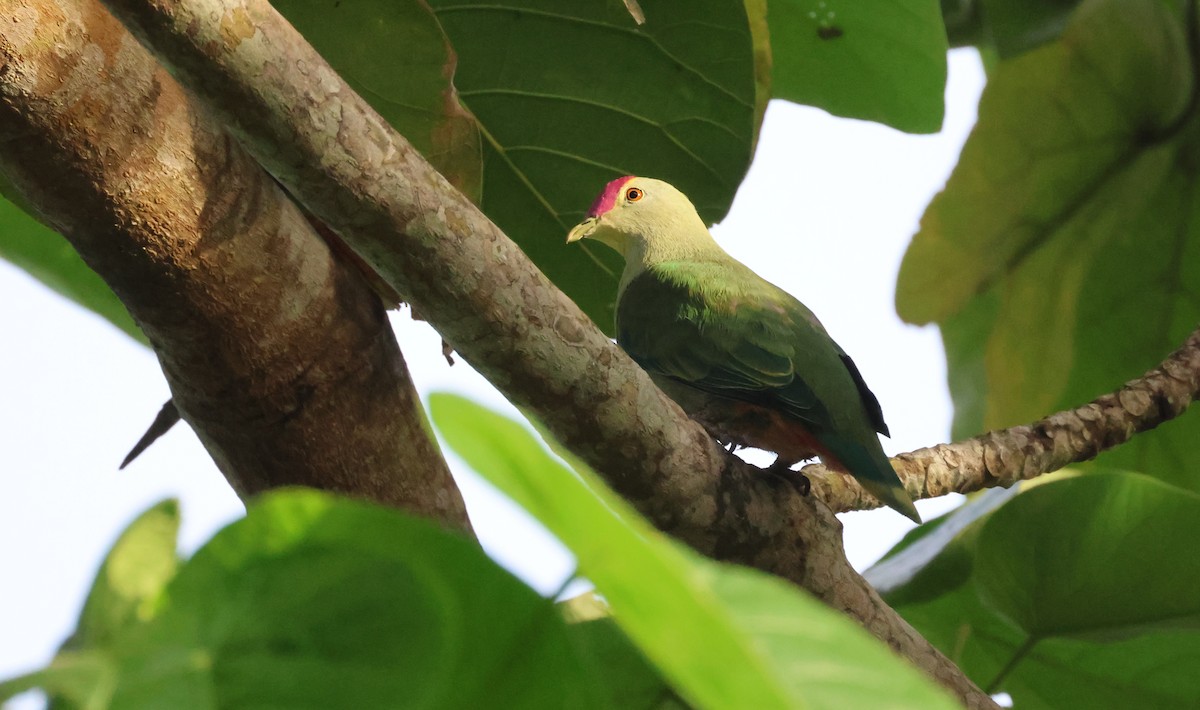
[{"x": 744, "y": 351}]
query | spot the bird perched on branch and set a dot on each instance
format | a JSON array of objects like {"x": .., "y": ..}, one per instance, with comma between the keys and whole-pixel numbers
[{"x": 739, "y": 354}]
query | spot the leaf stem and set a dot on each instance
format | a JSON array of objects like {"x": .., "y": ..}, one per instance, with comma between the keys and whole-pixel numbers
[{"x": 993, "y": 687}]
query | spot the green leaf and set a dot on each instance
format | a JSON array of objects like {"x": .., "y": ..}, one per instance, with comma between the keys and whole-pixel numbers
[
  {"x": 316, "y": 602},
  {"x": 395, "y": 55},
  {"x": 1121, "y": 561},
  {"x": 928, "y": 577},
  {"x": 1155, "y": 671},
  {"x": 1078, "y": 593},
  {"x": 629, "y": 679},
  {"x": 977, "y": 639},
  {"x": 881, "y": 61},
  {"x": 73, "y": 680},
  {"x": 1060, "y": 130},
  {"x": 1061, "y": 260},
  {"x": 1082, "y": 595},
  {"x": 134, "y": 574},
  {"x": 1017, "y": 26},
  {"x": 48, "y": 257},
  {"x": 965, "y": 337},
  {"x": 572, "y": 95},
  {"x": 124, "y": 594},
  {"x": 760, "y": 36},
  {"x": 724, "y": 636},
  {"x": 937, "y": 557},
  {"x": 964, "y": 23}
]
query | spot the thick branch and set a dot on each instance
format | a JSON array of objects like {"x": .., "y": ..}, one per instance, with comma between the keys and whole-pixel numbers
[
  {"x": 279, "y": 357},
  {"x": 1006, "y": 456},
  {"x": 498, "y": 311}
]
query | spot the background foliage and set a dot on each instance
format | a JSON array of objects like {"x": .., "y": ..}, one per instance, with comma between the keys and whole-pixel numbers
[{"x": 1059, "y": 262}]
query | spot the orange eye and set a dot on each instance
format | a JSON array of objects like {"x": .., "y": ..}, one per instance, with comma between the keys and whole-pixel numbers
[{"x": 633, "y": 194}]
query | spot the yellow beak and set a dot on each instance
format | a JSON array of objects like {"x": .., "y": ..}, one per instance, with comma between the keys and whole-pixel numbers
[{"x": 583, "y": 229}]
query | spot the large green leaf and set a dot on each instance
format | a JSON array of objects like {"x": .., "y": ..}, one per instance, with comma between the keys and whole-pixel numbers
[
  {"x": 317, "y": 602},
  {"x": 395, "y": 55},
  {"x": 134, "y": 573},
  {"x": 48, "y": 257},
  {"x": 929, "y": 578},
  {"x": 571, "y": 95},
  {"x": 1079, "y": 593},
  {"x": 1156, "y": 671},
  {"x": 1061, "y": 258},
  {"x": 880, "y": 61},
  {"x": 972, "y": 635},
  {"x": 1122, "y": 559},
  {"x": 725, "y": 636}
]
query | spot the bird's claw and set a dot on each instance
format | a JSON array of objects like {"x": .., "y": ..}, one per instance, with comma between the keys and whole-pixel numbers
[
  {"x": 782, "y": 470},
  {"x": 800, "y": 482}
]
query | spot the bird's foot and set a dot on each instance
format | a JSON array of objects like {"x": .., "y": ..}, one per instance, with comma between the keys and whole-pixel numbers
[{"x": 782, "y": 470}]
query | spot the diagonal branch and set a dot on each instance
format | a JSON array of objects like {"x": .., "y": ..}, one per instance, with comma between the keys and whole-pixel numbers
[
  {"x": 280, "y": 357},
  {"x": 1006, "y": 456},
  {"x": 323, "y": 142}
]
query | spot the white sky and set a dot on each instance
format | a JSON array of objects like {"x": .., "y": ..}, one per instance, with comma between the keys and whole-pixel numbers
[{"x": 826, "y": 213}]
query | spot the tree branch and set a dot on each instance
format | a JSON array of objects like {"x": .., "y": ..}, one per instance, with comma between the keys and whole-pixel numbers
[
  {"x": 310, "y": 130},
  {"x": 280, "y": 358},
  {"x": 1006, "y": 456}
]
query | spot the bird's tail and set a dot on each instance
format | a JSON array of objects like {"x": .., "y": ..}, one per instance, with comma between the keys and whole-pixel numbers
[{"x": 874, "y": 473}]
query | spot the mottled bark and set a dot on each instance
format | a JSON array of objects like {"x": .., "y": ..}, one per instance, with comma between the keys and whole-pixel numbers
[
  {"x": 496, "y": 309},
  {"x": 1006, "y": 456},
  {"x": 280, "y": 357}
]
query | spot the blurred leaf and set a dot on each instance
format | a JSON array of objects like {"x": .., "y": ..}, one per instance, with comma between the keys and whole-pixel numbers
[
  {"x": 1156, "y": 671},
  {"x": 72, "y": 680},
  {"x": 572, "y": 95},
  {"x": 928, "y": 578},
  {"x": 1109, "y": 529},
  {"x": 48, "y": 257},
  {"x": 936, "y": 557},
  {"x": 1060, "y": 131},
  {"x": 1017, "y": 26},
  {"x": 395, "y": 55},
  {"x": 725, "y": 636},
  {"x": 760, "y": 35},
  {"x": 965, "y": 338},
  {"x": 629, "y": 679},
  {"x": 133, "y": 575},
  {"x": 977, "y": 639},
  {"x": 964, "y": 22},
  {"x": 881, "y": 61},
  {"x": 316, "y": 602},
  {"x": 1082, "y": 595},
  {"x": 584, "y": 607},
  {"x": 1062, "y": 258}
]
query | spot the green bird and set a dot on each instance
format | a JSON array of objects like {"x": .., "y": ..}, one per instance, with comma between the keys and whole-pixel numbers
[{"x": 740, "y": 355}]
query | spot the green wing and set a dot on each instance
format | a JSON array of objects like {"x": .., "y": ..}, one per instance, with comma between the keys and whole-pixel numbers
[
  {"x": 721, "y": 329},
  {"x": 749, "y": 342}
]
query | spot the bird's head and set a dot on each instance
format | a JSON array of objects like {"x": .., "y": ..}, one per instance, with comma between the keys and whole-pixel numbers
[{"x": 637, "y": 214}]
